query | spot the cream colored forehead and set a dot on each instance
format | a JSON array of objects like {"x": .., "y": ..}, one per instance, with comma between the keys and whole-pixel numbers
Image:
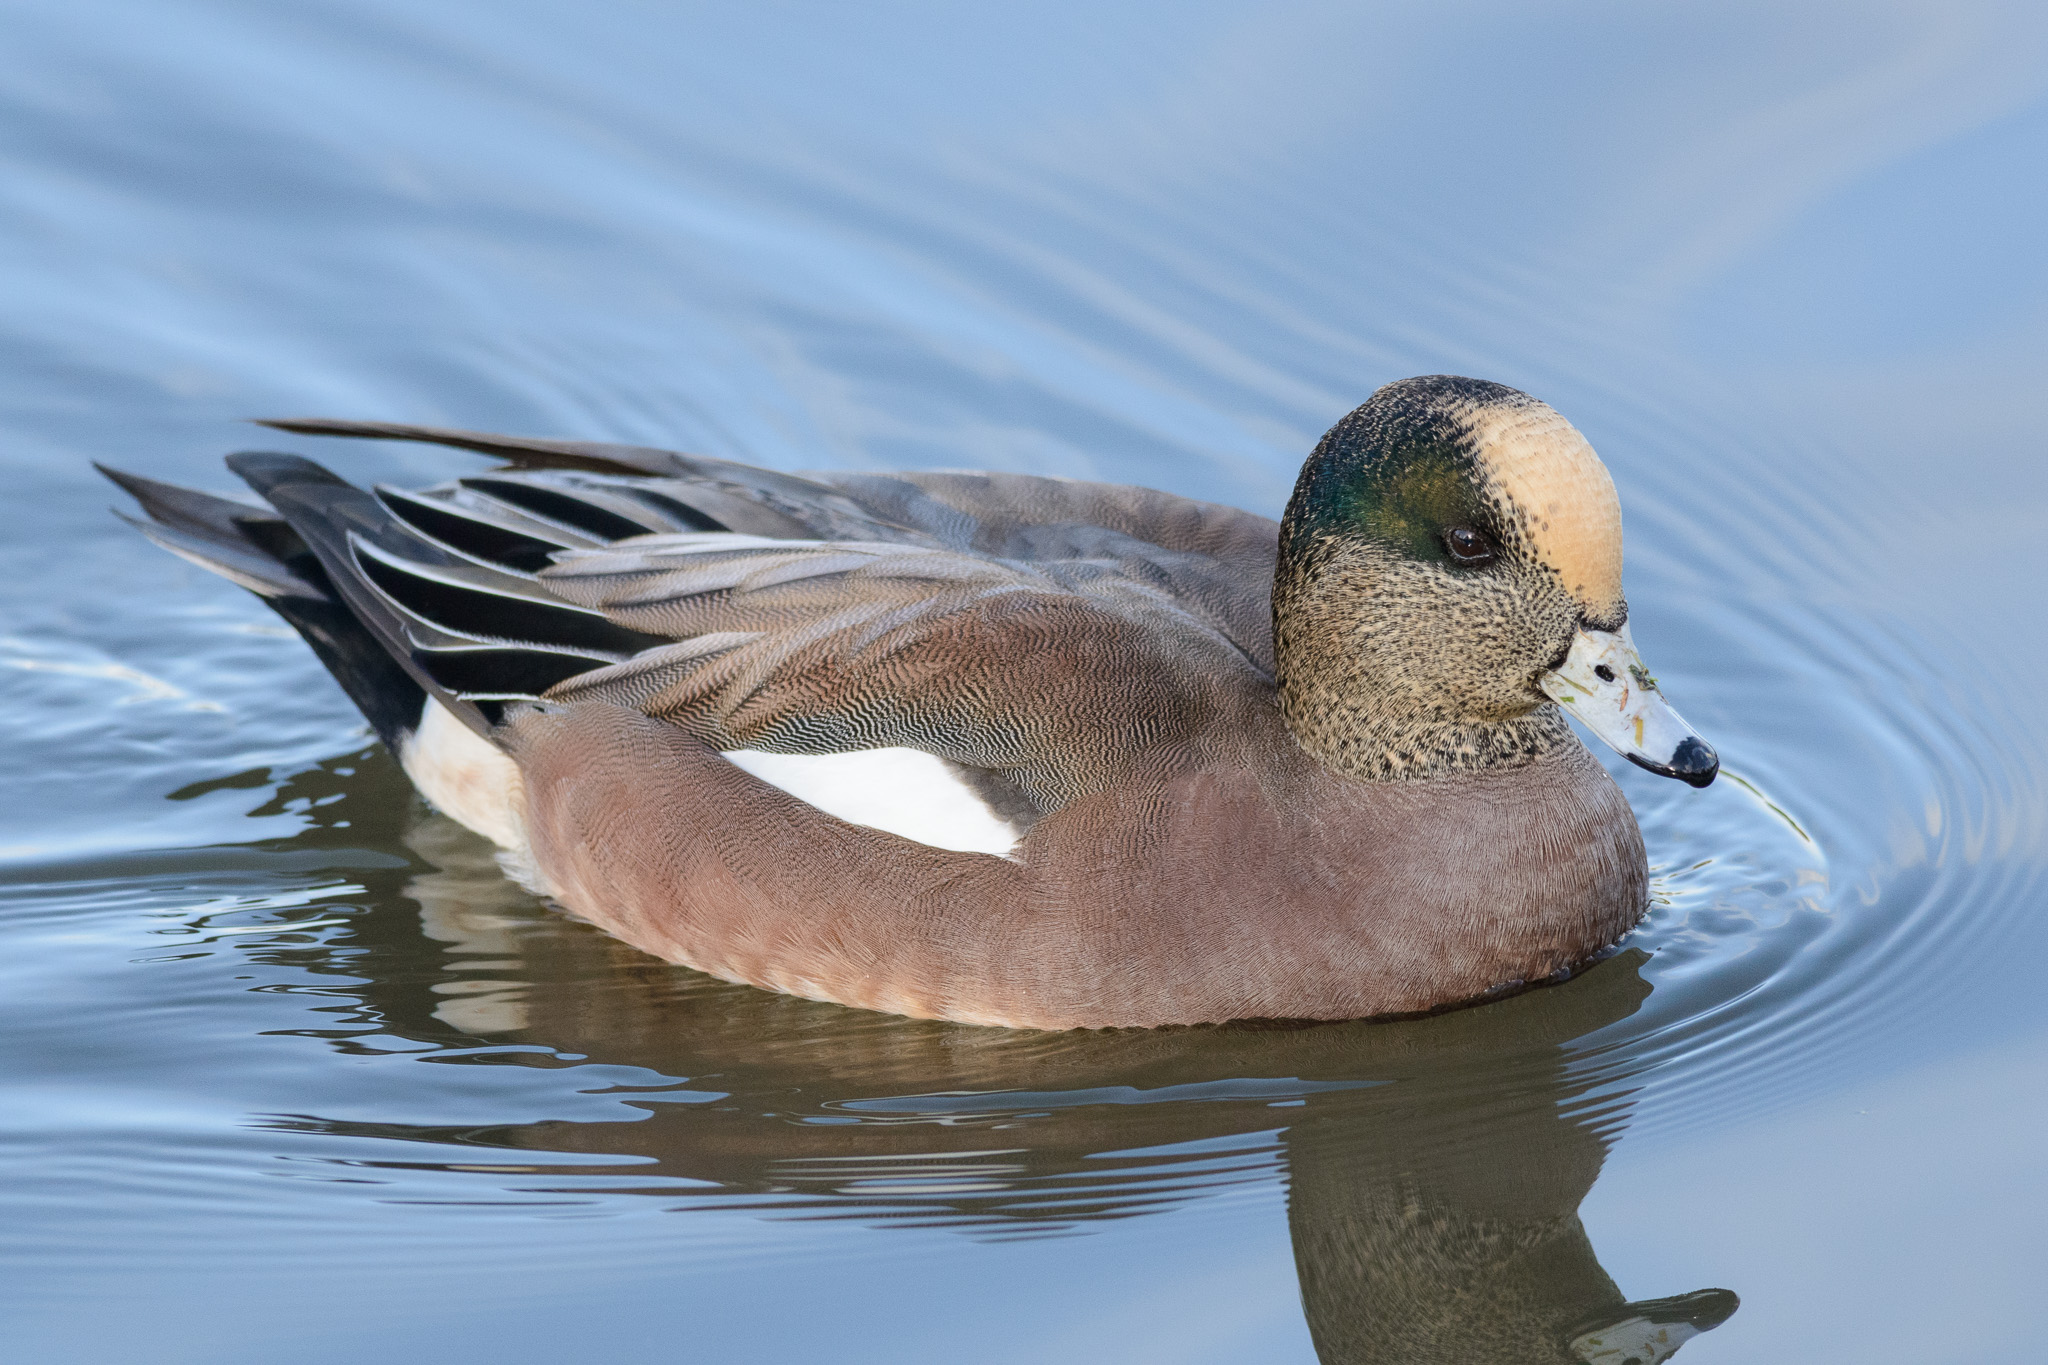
[{"x": 1547, "y": 473}]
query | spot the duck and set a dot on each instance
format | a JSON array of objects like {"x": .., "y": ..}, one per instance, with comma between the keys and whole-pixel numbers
[{"x": 1006, "y": 749}]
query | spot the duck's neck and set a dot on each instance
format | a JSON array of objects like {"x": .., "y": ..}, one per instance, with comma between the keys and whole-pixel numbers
[{"x": 1355, "y": 710}]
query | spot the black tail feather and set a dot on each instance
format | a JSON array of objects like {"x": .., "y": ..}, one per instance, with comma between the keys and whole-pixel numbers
[
  {"x": 236, "y": 561},
  {"x": 255, "y": 548},
  {"x": 400, "y": 611},
  {"x": 407, "y": 595},
  {"x": 264, "y": 470},
  {"x": 334, "y": 518},
  {"x": 389, "y": 696},
  {"x": 234, "y": 539}
]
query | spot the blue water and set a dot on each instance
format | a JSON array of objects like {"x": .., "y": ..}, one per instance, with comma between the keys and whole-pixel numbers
[{"x": 288, "y": 1071}]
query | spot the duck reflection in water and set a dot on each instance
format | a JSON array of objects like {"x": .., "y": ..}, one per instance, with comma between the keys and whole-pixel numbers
[{"x": 1435, "y": 1167}]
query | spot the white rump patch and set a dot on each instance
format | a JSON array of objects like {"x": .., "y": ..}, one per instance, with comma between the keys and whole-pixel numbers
[
  {"x": 467, "y": 778},
  {"x": 900, "y": 791}
]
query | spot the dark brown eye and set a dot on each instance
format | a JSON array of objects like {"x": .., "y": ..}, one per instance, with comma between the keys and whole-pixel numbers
[{"x": 1468, "y": 545}]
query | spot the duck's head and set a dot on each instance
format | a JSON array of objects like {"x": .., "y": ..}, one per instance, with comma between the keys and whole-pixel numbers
[{"x": 1450, "y": 565}]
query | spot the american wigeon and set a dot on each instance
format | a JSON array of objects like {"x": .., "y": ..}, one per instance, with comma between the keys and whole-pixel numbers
[{"x": 1007, "y": 749}]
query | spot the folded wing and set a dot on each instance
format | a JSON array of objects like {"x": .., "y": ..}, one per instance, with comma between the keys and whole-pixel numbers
[
  {"x": 1023, "y": 629},
  {"x": 1056, "y": 675}
]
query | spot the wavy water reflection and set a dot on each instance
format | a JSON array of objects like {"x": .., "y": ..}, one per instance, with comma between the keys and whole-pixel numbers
[{"x": 1433, "y": 1168}]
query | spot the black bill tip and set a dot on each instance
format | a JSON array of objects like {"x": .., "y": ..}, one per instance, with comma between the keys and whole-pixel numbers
[
  {"x": 1702, "y": 1311},
  {"x": 1693, "y": 762}
]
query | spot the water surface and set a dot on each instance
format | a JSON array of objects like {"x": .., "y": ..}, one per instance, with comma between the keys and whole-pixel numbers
[{"x": 289, "y": 1067}]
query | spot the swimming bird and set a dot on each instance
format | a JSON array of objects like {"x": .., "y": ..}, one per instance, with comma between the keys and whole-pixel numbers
[{"x": 1005, "y": 749}]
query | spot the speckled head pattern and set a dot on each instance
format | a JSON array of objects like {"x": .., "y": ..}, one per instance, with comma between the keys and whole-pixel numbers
[{"x": 1398, "y": 659}]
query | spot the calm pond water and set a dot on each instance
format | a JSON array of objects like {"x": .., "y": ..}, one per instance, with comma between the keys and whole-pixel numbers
[{"x": 290, "y": 1072}]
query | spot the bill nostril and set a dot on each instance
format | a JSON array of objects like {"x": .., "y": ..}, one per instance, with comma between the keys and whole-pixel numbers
[{"x": 1603, "y": 673}]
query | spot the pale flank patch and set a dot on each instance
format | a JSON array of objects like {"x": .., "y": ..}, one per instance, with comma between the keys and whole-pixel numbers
[
  {"x": 466, "y": 778},
  {"x": 1546, "y": 469},
  {"x": 900, "y": 791}
]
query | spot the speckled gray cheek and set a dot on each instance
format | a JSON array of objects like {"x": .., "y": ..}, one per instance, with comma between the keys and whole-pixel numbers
[
  {"x": 1467, "y": 643},
  {"x": 1399, "y": 669}
]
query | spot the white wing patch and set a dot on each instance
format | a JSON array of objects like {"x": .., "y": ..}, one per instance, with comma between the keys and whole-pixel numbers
[{"x": 899, "y": 791}]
